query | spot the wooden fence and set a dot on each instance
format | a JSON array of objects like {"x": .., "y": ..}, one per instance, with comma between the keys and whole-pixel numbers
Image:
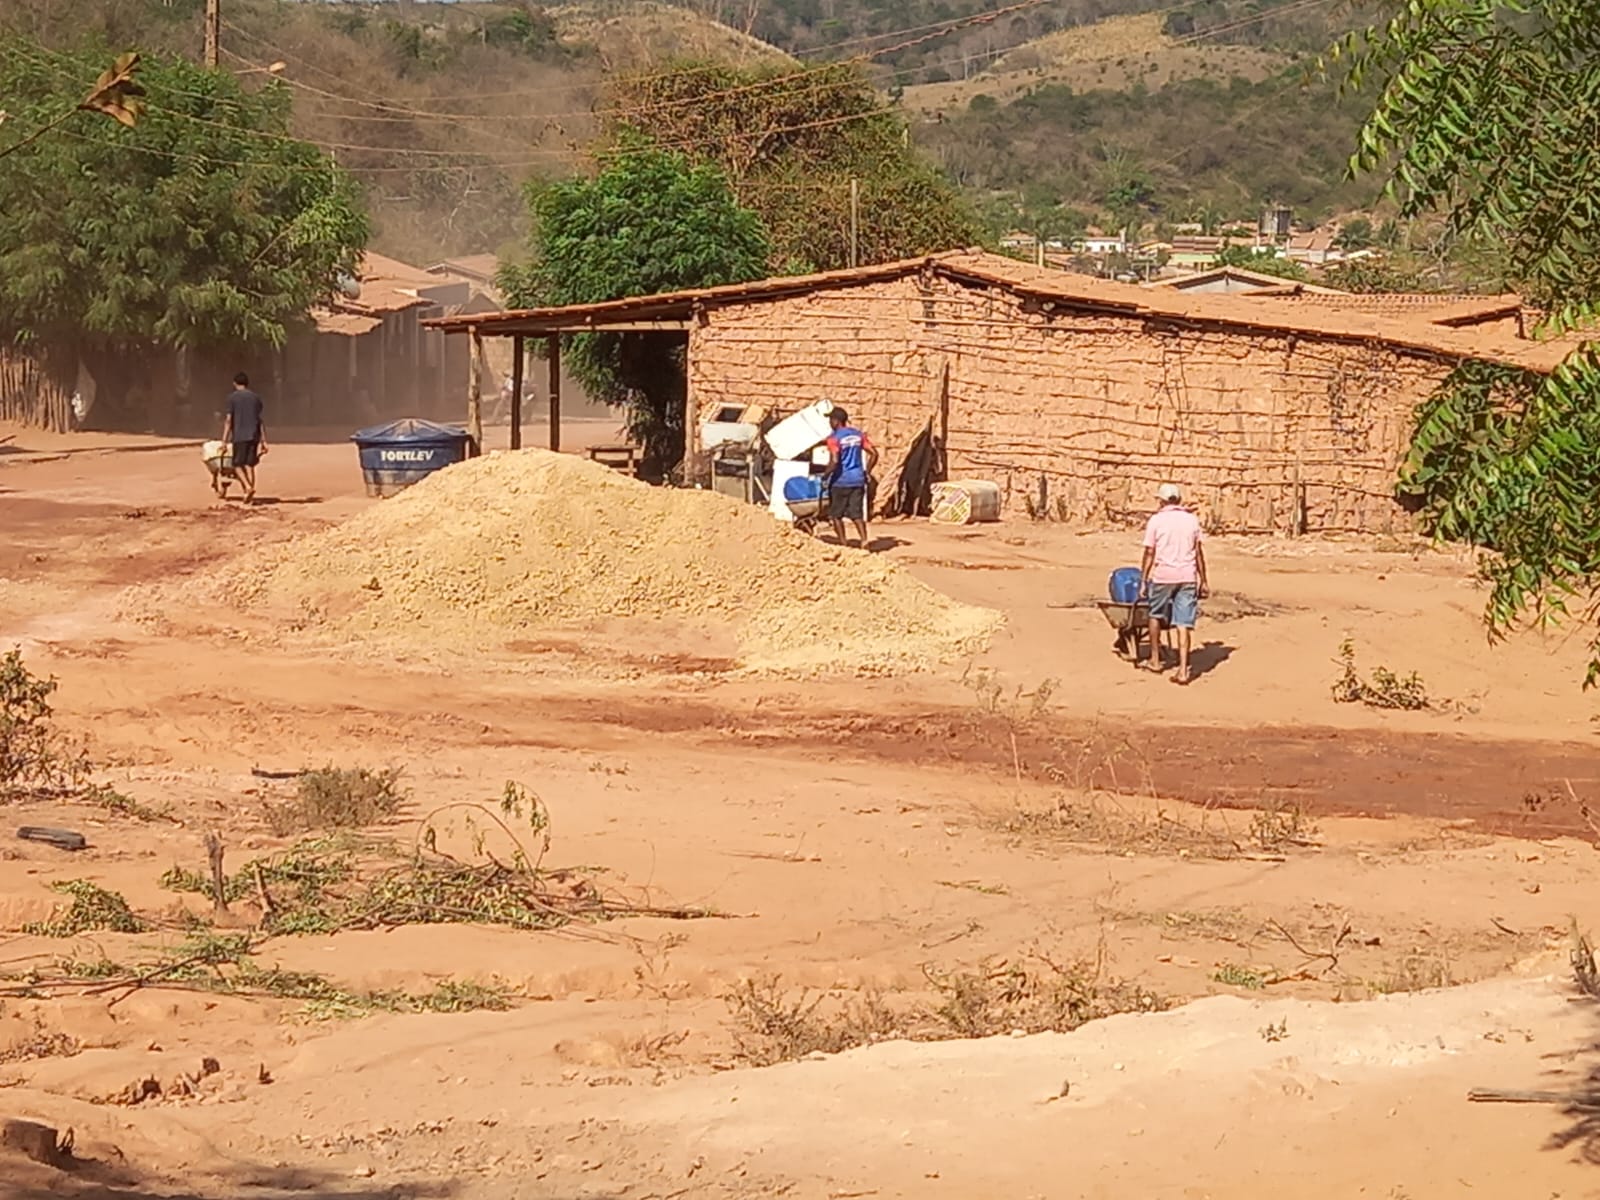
[{"x": 33, "y": 392}]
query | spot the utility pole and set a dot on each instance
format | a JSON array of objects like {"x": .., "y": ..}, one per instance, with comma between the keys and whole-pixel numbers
[
  {"x": 213, "y": 33},
  {"x": 855, "y": 220}
]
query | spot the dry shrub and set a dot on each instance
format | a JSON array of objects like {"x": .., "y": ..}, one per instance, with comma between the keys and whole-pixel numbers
[
  {"x": 771, "y": 1025},
  {"x": 338, "y": 798},
  {"x": 1276, "y": 825},
  {"x": 1584, "y": 971},
  {"x": 41, "y": 1044},
  {"x": 1035, "y": 995},
  {"x": 1419, "y": 971}
]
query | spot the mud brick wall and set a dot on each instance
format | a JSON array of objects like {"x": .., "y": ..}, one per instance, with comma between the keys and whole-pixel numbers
[{"x": 1268, "y": 431}]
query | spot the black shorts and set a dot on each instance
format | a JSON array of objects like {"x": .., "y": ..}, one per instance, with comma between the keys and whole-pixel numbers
[
  {"x": 847, "y": 503},
  {"x": 246, "y": 454}
]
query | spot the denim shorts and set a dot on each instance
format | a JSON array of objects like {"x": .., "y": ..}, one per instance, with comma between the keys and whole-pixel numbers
[{"x": 1178, "y": 604}]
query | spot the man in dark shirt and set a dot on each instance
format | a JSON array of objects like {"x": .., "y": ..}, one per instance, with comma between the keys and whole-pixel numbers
[{"x": 244, "y": 430}]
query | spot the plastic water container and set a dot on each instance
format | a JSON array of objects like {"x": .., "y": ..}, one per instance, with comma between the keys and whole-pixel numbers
[
  {"x": 1126, "y": 584},
  {"x": 803, "y": 495},
  {"x": 397, "y": 454}
]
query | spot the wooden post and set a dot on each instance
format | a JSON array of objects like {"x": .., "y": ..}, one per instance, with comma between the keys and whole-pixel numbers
[
  {"x": 213, "y": 33},
  {"x": 516, "y": 392},
  {"x": 555, "y": 391},
  {"x": 475, "y": 393}
]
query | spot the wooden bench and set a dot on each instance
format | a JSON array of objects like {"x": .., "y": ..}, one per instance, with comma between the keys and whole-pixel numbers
[{"x": 619, "y": 457}]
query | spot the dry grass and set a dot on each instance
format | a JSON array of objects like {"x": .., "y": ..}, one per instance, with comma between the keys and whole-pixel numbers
[{"x": 1105, "y": 820}]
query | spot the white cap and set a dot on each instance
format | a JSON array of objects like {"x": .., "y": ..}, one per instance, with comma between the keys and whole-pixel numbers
[{"x": 1169, "y": 491}]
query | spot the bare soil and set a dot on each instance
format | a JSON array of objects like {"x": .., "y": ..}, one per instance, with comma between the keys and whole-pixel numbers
[{"x": 1356, "y": 915}]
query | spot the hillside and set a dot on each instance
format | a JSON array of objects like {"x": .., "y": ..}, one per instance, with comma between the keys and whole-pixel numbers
[
  {"x": 1198, "y": 149},
  {"x": 1113, "y": 55},
  {"x": 1055, "y": 114}
]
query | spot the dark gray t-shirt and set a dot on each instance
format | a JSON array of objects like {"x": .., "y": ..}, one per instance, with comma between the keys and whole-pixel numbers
[{"x": 244, "y": 409}]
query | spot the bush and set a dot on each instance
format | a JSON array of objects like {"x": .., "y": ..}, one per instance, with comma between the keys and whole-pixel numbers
[
  {"x": 30, "y": 754},
  {"x": 338, "y": 798},
  {"x": 1384, "y": 690}
]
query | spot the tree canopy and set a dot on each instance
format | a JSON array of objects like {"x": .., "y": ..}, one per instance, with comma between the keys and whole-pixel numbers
[
  {"x": 649, "y": 221},
  {"x": 789, "y": 142},
  {"x": 1263, "y": 262},
  {"x": 1488, "y": 110},
  {"x": 205, "y": 223}
]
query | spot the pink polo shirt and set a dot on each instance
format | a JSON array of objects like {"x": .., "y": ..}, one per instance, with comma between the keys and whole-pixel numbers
[{"x": 1175, "y": 535}]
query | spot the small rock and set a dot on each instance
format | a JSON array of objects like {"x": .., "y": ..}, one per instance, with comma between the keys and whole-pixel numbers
[{"x": 362, "y": 1173}]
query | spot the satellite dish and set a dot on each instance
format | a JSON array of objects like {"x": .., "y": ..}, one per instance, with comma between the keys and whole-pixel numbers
[{"x": 349, "y": 287}]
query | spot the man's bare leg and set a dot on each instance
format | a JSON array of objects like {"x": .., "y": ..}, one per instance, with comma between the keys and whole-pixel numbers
[
  {"x": 1155, "y": 663},
  {"x": 861, "y": 530},
  {"x": 1185, "y": 640},
  {"x": 247, "y": 476},
  {"x": 838, "y": 529}
]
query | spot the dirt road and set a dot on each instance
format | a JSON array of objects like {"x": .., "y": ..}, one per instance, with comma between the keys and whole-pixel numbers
[{"x": 858, "y": 838}]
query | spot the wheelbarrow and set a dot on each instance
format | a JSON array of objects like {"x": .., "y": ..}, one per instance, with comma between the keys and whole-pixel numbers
[
  {"x": 219, "y": 461},
  {"x": 1132, "y": 623},
  {"x": 806, "y": 498}
]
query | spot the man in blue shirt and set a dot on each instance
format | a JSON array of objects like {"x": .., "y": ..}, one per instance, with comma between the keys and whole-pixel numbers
[
  {"x": 245, "y": 431},
  {"x": 851, "y": 459}
]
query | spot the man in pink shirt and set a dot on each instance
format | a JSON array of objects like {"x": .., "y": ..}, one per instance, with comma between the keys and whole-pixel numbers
[{"x": 1174, "y": 572}]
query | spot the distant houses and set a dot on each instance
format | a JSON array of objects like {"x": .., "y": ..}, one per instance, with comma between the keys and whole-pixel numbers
[{"x": 1189, "y": 247}]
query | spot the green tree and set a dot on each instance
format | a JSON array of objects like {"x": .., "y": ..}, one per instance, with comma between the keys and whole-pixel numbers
[
  {"x": 1263, "y": 262},
  {"x": 649, "y": 221},
  {"x": 789, "y": 143},
  {"x": 1355, "y": 234},
  {"x": 1487, "y": 111},
  {"x": 202, "y": 224}
]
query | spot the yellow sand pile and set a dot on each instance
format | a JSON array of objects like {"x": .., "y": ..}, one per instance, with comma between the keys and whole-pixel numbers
[{"x": 513, "y": 545}]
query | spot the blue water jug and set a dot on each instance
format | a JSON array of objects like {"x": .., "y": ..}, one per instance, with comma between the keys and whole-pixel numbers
[
  {"x": 1126, "y": 584},
  {"x": 802, "y": 487}
]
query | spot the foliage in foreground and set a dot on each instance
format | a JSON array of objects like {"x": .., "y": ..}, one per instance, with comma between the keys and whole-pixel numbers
[
  {"x": 339, "y": 882},
  {"x": 1486, "y": 111},
  {"x": 205, "y": 223},
  {"x": 649, "y": 221},
  {"x": 231, "y": 964},
  {"x": 92, "y": 908},
  {"x": 36, "y": 759}
]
